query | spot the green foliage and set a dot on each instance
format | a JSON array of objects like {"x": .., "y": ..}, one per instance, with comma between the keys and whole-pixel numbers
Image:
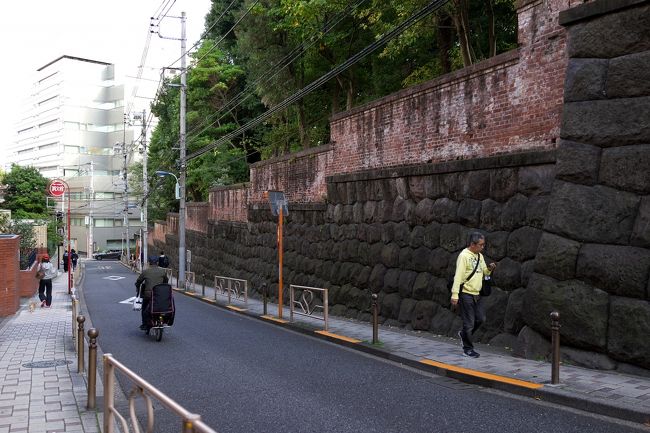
[
  {"x": 281, "y": 46},
  {"x": 26, "y": 193}
]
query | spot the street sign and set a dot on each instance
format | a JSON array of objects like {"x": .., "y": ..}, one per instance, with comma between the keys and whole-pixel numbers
[
  {"x": 56, "y": 188},
  {"x": 277, "y": 201}
]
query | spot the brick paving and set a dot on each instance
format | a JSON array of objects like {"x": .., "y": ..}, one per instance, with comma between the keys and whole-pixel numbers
[{"x": 50, "y": 397}]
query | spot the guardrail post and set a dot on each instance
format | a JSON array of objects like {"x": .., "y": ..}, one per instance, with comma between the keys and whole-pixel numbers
[
  {"x": 203, "y": 286},
  {"x": 80, "y": 344},
  {"x": 109, "y": 394},
  {"x": 265, "y": 290},
  {"x": 555, "y": 343},
  {"x": 74, "y": 317},
  {"x": 92, "y": 367},
  {"x": 375, "y": 319}
]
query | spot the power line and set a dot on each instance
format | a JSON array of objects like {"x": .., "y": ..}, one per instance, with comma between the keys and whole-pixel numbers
[{"x": 425, "y": 11}]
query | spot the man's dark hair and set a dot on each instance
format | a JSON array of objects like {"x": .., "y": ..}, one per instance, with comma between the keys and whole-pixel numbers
[
  {"x": 162, "y": 253},
  {"x": 474, "y": 237}
]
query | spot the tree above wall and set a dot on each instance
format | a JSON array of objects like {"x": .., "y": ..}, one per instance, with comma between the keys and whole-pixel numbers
[{"x": 26, "y": 193}]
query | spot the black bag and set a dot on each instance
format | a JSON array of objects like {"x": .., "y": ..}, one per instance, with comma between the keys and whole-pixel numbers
[{"x": 486, "y": 287}]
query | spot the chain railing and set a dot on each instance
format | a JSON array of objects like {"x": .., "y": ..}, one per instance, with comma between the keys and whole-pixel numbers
[{"x": 190, "y": 422}]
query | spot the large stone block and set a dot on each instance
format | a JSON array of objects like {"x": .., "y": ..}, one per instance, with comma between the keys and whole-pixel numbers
[
  {"x": 421, "y": 261},
  {"x": 591, "y": 214},
  {"x": 513, "y": 320},
  {"x": 416, "y": 237},
  {"x": 390, "y": 255},
  {"x": 469, "y": 212},
  {"x": 503, "y": 183},
  {"x": 495, "y": 310},
  {"x": 475, "y": 185},
  {"x": 629, "y": 327},
  {"x": 557, "y": 257},
  {"x": 438, "y": 261},
  {"x": 432, "y": 235},
  {"x": 641, "y": 232},
  {"x": 577, "y": 162},
  {"x": 406, "y": 280},
  {"x": 585, "y": 80},
  {"x": 403, "y": 210},
  {"x": 491, "y": 215},
  {"x": 619, "y": 270},
  {"x": 507, "y": 275},
  {"x": 626, "y": 168},
  {"x": 441, "y": 294},
  {"x": 523, "y": 243},
  {"x": 391, "y": 280},
  {"x": 513, "y": 213},
  {"x": 445, "y": 210},
  {"x": 611, "y": 122},
  {"x": 496, "y": 244},
  {"x": 611, "y": 35},
  {"x": 536, "y": 179},
  {"x": 390, "y": 306},
  {"x": 376, "y": 281},
  {"x": 422, "y": 290},
  {"x": 402, "y": 234},
  {"x": 416, "y": 187},
  {"x": 424, "y": 211},
  {"x": 536, "y": 210},
  {"x": 532, "y": 345},
  {"x": 422, "y": 315},
  {"x": 629, "y": 76},
  {"x": 583, "y": 310},
  {"x": 406, "y": 310},
  {"x": 453, "y": 236},
  {"x": 445, "y": 322}
]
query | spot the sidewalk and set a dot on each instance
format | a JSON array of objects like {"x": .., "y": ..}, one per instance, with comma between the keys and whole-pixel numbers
[
  {"x": 597, "y": 391},
  {"x": 41, "y": 390}
]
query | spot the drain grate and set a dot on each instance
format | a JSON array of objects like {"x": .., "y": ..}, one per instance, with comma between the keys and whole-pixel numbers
[{"x": 47, "y": 364}]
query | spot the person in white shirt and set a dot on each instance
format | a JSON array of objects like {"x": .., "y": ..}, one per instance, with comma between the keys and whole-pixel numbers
[{"x": 46, "y": 269}]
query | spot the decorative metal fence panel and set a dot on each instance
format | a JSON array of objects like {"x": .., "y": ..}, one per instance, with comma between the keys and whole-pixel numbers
[
  {"x": 232, "y": 288},
  {"x": 306, "y": 299}
]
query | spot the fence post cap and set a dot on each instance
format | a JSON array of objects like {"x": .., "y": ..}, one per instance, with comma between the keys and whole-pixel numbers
[
  {"x": 93, "y": 333},
  {"x": 555, "y": 315},
  {"x": 374, "y": 296},
  {"x": 81, "y": 319}
]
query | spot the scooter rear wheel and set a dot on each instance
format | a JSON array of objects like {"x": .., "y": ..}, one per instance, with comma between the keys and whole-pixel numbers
[{"x": 158, "y": 333}]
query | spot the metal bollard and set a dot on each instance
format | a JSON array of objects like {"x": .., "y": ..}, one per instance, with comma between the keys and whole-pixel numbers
[
  {"x": 203, "y": 287},
  {"x": 555, "y": 344},
  {"x": 92, "y": 367},
  {"x": 80, "y": 344},
  {"x": 265, "y": 294},
  {"x": 375, "y": 319}
]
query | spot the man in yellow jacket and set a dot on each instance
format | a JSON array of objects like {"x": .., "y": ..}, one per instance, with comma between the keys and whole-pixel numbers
[{"x": 470, "y": 270}]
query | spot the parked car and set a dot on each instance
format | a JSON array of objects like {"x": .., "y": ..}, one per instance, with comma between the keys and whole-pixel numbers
[{"x": 108, "y": 254}]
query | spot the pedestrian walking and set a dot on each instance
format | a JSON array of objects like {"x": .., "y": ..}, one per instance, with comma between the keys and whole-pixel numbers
[
  {"x": 65, "y": 261},
  {"x": 74, "y": 257},
  {"x": 46, "y": 272},
  {"x": 468, "y": 279},
  {"x": 163, "y": 260}
]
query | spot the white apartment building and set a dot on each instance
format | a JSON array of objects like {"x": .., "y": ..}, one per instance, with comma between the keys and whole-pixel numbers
[{"x": 73, "y": 128}]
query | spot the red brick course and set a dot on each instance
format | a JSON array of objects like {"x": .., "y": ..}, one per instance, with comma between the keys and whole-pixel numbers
[{"x": 9, "y": 275}]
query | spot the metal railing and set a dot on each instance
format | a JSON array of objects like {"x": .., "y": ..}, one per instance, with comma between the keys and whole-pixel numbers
[
  {"x": 190, "y": 422},
  {"x": 230, "y": 287},
  {"x": 307, "y": 303}
]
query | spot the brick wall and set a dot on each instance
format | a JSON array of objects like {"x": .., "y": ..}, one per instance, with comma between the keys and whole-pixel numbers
[
  {"x": 197, "y": 216},
  {"x": 229, "y": 203},
  {"x": 9, "y": 277}
]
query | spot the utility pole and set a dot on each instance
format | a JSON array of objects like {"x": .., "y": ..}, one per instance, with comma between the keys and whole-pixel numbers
[
  {"x": 183, "y": 167},
  {"x": 145, "y": 191},
  {"x": 91, "y": 240},
  {"x": 126, "y": 193}
]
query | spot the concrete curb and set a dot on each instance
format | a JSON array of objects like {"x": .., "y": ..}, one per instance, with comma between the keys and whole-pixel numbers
[{"x": 548, "y": 393}]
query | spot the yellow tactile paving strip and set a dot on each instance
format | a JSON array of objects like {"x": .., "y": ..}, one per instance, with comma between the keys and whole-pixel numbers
[
  {"x": 338, "y": 337},
  {"x": 482, "y": 375}
]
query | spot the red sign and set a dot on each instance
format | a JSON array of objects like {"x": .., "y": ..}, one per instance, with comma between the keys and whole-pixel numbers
[{"x": 57, "y": 188}]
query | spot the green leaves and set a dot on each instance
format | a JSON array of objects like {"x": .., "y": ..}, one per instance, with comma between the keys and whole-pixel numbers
[{"x": 26, "y": 193}]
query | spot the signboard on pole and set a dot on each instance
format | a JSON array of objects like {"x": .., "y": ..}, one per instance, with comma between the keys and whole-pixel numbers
[
  {"x": 56, "y": 188},
  {"x": 277, "y": 201}
]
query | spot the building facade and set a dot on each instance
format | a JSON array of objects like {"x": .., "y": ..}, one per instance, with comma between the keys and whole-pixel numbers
[{"x": 73, "y": 127}]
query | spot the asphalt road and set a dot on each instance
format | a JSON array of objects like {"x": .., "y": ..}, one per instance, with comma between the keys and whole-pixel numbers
[{"x": 245, "y": 375}]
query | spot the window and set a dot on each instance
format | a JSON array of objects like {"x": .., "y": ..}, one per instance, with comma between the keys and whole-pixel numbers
[
  {"x": 77, "y": 221},
  {"x": 104, "y": 195},
  {"x": 71, "y": 149},
  {"x": 47, "y": 146},
  {"x": 103, "y": 222},
  {"x": 69, "y": 172}
]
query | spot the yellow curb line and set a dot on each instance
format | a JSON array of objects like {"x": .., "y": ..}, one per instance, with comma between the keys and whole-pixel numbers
[
  {"x": 232, "y": 307},
  {"x": 274, "y": 319},
  {"x": 337, "y": 336},
  {"x": 489, "y": 376}
]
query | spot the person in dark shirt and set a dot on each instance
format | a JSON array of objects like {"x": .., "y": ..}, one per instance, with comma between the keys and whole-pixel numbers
[
  {"x": 145, "y": 283},
  {"x": 163, "y": 260}
]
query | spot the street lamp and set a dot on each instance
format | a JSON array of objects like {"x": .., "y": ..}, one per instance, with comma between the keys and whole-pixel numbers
[
  {"x": 177, "y": 191},
  {"x": 181, "y": 227}
]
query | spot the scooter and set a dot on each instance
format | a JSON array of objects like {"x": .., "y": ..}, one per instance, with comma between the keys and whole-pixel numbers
[{"x": 161, "y": 310}]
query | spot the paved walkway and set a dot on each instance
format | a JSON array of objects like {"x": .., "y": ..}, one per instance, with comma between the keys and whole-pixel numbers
[
  {"x": 41, "y": 391},
  {"x": 603, "y": 392}
]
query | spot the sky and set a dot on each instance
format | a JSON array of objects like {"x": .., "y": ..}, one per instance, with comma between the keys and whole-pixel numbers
[{"x": 35, "y": 32}]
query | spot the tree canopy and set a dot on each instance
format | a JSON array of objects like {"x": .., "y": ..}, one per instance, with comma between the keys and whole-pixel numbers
[
  {"x": 258, "y": 53},
  {"x": 26, "y": 193}
]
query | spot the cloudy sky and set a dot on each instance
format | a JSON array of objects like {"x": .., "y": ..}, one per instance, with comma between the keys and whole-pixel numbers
[{"x": 35, "y": 32}]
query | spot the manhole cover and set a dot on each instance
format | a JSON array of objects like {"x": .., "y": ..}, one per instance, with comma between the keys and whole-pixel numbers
[{"x": 46, "y": 364}]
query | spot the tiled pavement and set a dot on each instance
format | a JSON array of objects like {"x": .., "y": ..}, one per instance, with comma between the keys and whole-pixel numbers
[
  {"x": 50, "y": 396},
  {"x": 604, "y": 392}
]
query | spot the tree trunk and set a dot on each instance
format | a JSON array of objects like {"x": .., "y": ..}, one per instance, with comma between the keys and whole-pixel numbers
[
  {"x": 492, "y": 40},
  {"x": 445, "y": 39},
  {"x": 461, "y": 21}
]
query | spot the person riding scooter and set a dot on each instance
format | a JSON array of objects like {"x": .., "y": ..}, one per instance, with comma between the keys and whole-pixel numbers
[{"x": 149, "y": 278}]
